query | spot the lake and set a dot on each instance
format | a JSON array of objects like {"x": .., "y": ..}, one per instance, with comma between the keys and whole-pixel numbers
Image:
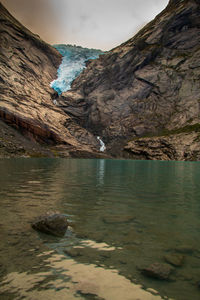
[{"x": 124, "y": 215}]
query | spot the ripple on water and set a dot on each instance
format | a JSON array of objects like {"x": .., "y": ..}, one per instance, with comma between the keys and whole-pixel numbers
[
  {"x": 123, "y": 214},
  {"x": 74, "y": 280}
]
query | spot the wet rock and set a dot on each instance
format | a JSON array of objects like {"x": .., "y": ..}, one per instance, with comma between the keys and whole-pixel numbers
[
  {"x": 54, "y": 224},
  {"x": 174, "y": 259},
  {"x": 158, "y": 270}
]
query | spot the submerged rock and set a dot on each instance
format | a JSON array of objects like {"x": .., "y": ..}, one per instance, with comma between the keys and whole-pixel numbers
[
  {"x": 158, "y": 271},
  {"x": 174, "y": 259},
  {"x": 185, "y": 249},
  {"x": 54, "y": 224}
]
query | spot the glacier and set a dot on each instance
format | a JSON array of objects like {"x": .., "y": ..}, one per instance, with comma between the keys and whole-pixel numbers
[{"x": 73, "y": 63}]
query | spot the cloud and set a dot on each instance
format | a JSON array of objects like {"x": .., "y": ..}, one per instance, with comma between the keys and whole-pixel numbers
[
  {"x": 39, "y": 16},
  {"x": 91, "y": 23}
]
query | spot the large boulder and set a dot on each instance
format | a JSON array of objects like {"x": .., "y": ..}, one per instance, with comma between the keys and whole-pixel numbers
[{"x": 54, "y": 224}]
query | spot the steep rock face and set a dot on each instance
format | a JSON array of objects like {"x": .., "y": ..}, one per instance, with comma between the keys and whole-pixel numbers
[
  {"x": 181, "y": 147},
  {"x": 149, "y": 83},
  {"x": 27, "y": 66}
]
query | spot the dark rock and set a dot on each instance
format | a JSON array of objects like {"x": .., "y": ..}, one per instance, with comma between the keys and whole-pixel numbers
[
  {"x": 158, "y": 271},
  {"x": 54, "y": 224},
  {"x": 174, "y": 259}
]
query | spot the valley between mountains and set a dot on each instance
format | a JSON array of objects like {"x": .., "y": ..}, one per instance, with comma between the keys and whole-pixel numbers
[{"x": 141, "y": 98}]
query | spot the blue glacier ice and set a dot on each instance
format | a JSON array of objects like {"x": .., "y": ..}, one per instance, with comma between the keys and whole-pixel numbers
[{"x": 73, "y": 63}]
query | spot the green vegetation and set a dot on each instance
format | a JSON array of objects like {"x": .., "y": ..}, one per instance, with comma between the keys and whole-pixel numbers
[
  {"x": 185, "y": 129},
  {"x": 167, "y": 133}
]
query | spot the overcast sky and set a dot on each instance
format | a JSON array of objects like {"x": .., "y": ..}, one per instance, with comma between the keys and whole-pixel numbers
[{"x": 101, "y": 24}]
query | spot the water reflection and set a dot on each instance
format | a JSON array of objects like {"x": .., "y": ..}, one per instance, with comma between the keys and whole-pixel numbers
[
  {"x": 74, "y": 280},
  {"x": 100, "y": 172}
]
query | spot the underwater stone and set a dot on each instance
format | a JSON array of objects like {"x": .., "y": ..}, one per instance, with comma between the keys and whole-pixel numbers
[
  {"x": 158, "y": 271},
  {"x": 185, "y": 249},
  {"x": 176, "y": 260}
]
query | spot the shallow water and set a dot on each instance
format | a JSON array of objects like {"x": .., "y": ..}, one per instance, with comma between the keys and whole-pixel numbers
[{"x": 124, "y": 215}]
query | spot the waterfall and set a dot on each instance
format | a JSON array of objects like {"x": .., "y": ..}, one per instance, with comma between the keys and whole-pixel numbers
[{"x": 103, "y": 147}]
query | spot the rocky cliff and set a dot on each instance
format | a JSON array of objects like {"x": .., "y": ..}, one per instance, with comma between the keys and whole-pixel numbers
[
  {"x": 30, "y": 123},
  {"x": 148, "y": 85},
  {"x": 177, "y": 146}
]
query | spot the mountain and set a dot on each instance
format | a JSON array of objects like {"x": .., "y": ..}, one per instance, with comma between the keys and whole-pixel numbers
[
  {"x": 143, "y": 97},
  {"x": 30, "y": 123}
]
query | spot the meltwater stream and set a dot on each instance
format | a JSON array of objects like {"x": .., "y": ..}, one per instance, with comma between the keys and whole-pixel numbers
[{"x": 123, "y": 215}]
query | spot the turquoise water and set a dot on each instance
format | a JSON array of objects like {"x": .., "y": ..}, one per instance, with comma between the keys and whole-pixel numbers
[{"x": 124, "y": 215}]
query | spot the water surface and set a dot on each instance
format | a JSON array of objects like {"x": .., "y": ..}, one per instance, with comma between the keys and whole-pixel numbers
[{"x": 124, "y": 215}]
